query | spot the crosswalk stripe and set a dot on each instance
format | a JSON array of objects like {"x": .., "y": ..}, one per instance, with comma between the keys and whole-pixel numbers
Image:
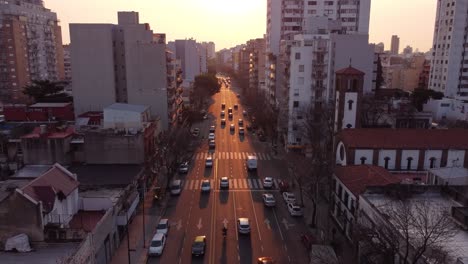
[
  {"x": 260, "y": 185},
  {"x": 268, "y": 157},
  {"x": 260, "y": 156},
  {"x": 251, "y": 184},
  {"x": 213, "y": 155},
  {"x": 235, "y": 183},
  {"x": 230, "y": 155},
  {"x": 243, "y": 184},
  {"x": 236, "y": 155},
  {"x": 242, "y": 155},
  {"x": 231, "y": 182},
  {"x": 254, "y": 183},
  {"x": 275, "y": 183}
]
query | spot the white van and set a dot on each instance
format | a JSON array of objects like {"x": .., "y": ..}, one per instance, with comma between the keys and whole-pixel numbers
[
  {"x": 176, "y": 187},
  {"x": 251, "y": 163}
]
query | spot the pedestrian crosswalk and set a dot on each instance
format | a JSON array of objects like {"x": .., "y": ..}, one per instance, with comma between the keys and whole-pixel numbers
[
  {"x": 234, "y": 184},
  {"x": 232, "y": 155}
]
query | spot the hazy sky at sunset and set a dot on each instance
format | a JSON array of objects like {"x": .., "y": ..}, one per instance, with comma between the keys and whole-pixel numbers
[{"x": 232, "y": 22}]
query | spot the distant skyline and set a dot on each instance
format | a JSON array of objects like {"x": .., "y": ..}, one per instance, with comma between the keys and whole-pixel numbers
[{"x": 228, "y": 23}]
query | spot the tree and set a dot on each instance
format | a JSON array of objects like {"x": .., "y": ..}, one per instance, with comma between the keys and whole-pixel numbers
[
  {"x": 379, "y": 78},
  {"x": 374, "y": 112},
  {"x": 47, "y": 91},
  {"x": 421, "y": 96},
  {"x": 204, "y": 86},
  {"x": 415, "y": 230}
]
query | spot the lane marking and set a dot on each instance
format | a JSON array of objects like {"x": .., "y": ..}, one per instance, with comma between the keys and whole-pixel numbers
[{"x": 277, "y": 224}]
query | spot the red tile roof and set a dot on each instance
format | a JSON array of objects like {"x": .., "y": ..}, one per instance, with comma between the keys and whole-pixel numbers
[
  {"x": 358, "y": 177},
  {"x": 383, "y": 138},
  {"x": 46, "y": 187},
  {"x": 350, "y": 71}
]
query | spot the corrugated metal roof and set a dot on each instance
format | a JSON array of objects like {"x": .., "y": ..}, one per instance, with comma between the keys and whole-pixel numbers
[{"x": 127, "y": 107}]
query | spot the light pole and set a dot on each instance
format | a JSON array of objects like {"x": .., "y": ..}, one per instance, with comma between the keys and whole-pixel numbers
[{"x": 128, "y": 239}]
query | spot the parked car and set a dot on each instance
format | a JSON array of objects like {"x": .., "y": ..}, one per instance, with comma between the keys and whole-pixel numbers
[
  {"x": 224, "y": 183},
  {"x": 295, "y": 209},
  {"x": 243, "y": 225},
  {"x": 212, "y": 129},
  {"x": 184, "y": 167},
  {"x": 241, "y": 122},
  {"x": 205, "y": 186},
  {"x": 283, "y": 186},
  {"x": 244, "y": 113},
  {"x": 176, "y": 187},
  {"x": 157, "y": 245},
  {"x": 269, "y": 200},
  {"x": 199, "y": 245},
  {"x": 261, "y": 137},
  {"x": 268, "y": 183},
  {"x": 196, "y": 132},
  {"x": 211, "y": 136},
  {"x": 289, "y": 197},
  {"x": 212, "y": 144},
  {"x": 163, "y": 226}
]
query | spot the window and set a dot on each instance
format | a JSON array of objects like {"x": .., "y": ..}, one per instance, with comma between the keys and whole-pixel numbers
[
  {"x": 312, "y": 3},
  {"x": 432, "y": 162},
  {"x": 363, "y": 160},
  {"x": 340, "y": 191},
  {"x": 409, "y": 160},
  {"x": 386, "y": 159},
  {"x": 298, "y": 55},
  {"x": 301, "y": 68},
  {"x": 350, "y": 105},
  {"x": 346, "y": 198},
  {"x": 296, "y": 104}
]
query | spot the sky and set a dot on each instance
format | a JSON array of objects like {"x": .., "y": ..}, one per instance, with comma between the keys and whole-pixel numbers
[{"x": 231, "y": 22}]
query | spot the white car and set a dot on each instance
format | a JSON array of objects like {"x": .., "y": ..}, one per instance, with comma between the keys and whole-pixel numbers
[
  {"x": 268, "y": 183},
  {"x": 163, "y": 226},
  {"x": 209, "y": 162},
  {"x": 157, "y": 245},
  {"x": 295, "y": 209},
  {"x": 244, "y": 113},
  {"x": 243, "y": 225},
  {"x": 212, "y": 129},
  {"x": 224, "y": 183},
  {"x": 269, "y": 200},
  {"x": 184, "y": 167},
  {"x": 289, "y": 197},
  {"x": 205, "y": 186},
  {"x": 211, "y": 136}
]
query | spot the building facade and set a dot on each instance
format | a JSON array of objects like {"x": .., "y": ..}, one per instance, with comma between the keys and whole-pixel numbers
[
  {"x": 449, "y": 64},
  {"x": 30, "y": 48},
  {"x": 127, "y": 62},
  {"x": 395, "y": 45}
]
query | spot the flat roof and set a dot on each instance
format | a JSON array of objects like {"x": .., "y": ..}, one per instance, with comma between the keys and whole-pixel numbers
[
  {"x": 49, "y": 105},
  {"x": 127, "y": 107},
  {"x": 450, "y": 172},
  {"x": 44, "y": 253},
  {"x": 31, "y": 171},
  {"x": 112, "y": 175},
  {"x": 456, "y": 246}
]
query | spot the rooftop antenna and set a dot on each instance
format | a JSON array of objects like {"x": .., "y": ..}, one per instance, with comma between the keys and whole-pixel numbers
[{"x": 350, "y": 61}]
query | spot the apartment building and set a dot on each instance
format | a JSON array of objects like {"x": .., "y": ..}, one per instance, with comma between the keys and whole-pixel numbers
[
  {"x": 187, "y": 51},
  {"x": 30, "y": 47},
  {"x": 123, "y": 63},
  {"x": 285, "y": 18},
  {"x": 395, "y": 45},
  {"x": 449, "y": 65}
]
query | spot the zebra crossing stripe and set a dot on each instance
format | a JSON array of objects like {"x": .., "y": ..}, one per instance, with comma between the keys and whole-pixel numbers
[
  {"x": 244, "y": 184},
  {"x": 230, "y": 155},
  {"x": 260, "y": 156},
  {"x": 235, "y": 183},
  {"x": 275, "y": 182},
  {"x": 249, "y": 183}
]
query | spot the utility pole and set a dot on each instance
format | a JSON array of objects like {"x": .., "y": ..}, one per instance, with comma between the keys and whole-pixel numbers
[{"x": 128, "y": 239}]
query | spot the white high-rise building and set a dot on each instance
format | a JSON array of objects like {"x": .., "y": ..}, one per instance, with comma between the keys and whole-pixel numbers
[
  {"x": 192, "y": 57},
  {"x": 123, "y": 63},
  {"x": 285, "y": 18},
  {"x": 449, "y": 65},
  {"x": 210, "y": 49}
]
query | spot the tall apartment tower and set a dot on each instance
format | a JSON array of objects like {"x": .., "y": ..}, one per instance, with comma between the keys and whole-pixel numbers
[
  {"x": 449, "y": 65},
  {"x": 30, "y": 47},
  {"x": 123, "y": 63},
  {"x": 285, "y": 18},
  {"x": 187, "y": 51},
  {"x": 395, "y": 45}
]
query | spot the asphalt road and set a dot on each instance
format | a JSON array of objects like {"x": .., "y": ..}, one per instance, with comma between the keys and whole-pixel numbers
[{"x": 274, "y": 233}]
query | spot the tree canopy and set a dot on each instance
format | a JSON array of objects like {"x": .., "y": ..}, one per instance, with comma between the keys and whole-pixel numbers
[{"x": 47, "y": 91}]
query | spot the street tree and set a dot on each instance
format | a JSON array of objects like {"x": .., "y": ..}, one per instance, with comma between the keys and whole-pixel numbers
[
  {"x": 47, "y": 91},
  {"x": 415, "y": 230},
  {"x": 374, "y": 112},
  {"x": 421, "y": 96},
  {"x": 204, "y": 86}
]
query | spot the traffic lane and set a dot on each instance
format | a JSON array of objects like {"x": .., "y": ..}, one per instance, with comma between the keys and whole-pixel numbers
[
  {"x": 292, "y": 228},
  {"x": 250, "y": 246},
  {"x": 273, "y": 237},
  {"x": 178, "y": 212}
]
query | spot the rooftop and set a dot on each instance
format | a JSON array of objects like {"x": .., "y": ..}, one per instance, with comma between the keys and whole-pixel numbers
[
  {"x": 452, "y": 174},
  {"x": 358, "y": 177},
  {"x": 31, "y": 171},
  {"x": 405, "y": 138},
  {"x": 52, "y": 132},
  {"x": 44, "y": 253},
  {"x": 9, "y": 186},
  {"x": 45, "y": 187},
  {"x": 86, "y": 220},
  {"x": 51, "y": 105},
  {"x": 114, "y": 176},
  {"x": 456, "y": 246},
  {"x": 350, "y": 71},
  {"x": 127, "y": 107}
]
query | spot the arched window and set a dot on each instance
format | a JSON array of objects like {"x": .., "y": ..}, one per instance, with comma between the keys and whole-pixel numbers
[
  {"x": 432, "y": 161},
  {"x": 363, "y": 160},
  {"x": 386, "y": 159},
  {"x": 408, "y": 164},
  {"x": 350, "y": 105}
]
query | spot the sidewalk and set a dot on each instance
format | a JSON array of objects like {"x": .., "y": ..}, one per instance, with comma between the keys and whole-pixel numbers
[{"x": 138, "y": 253}]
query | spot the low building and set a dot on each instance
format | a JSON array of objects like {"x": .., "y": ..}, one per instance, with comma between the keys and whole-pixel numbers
[
  {"x": 403, "y": 149},
  {"x": 448, "y": 176},
  {"x": 381, "y": 208},
  {"x": 47, "y": 204},
  {"x": 48, "y": 145},
  {"x": 39, "y": 112},
  {"x": 349, "y": 182}
]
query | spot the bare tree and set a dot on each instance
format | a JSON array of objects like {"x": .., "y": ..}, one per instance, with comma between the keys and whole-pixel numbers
[
  {"x": 415, "y": 230},
  {"x": 374, "y": 112}
]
